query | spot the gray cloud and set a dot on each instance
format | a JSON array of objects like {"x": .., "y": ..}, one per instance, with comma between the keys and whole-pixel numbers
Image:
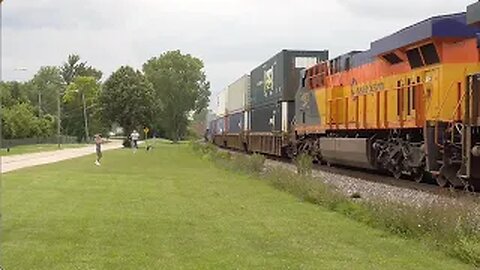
[
  {"x": 403, "y": 10},
  {"x": 231, "y": 36},
  {"x": 71, "y": 14}
]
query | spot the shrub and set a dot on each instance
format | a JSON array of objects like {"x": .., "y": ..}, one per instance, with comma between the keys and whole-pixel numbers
[
  {"x": 304, "y": 164},
  {"x": 256, "y": 163}
]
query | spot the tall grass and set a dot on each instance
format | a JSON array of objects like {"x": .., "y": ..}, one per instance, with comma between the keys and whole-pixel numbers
[
  {"x": 304, "y": 164},
  {"x": 455, "y": 229}
]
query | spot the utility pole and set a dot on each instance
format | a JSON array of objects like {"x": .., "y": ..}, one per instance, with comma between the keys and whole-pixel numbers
[
  {"x": 85, "y": 116},
  {"x": 59, "y": 119}
]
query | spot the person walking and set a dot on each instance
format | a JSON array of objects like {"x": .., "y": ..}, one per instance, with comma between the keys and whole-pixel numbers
[
  {"x": 135, "y": 136},
  {"x": 98, "y": 148}
]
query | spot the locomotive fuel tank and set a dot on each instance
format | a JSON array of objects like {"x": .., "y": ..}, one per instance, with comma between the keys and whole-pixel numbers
[{"x": 355, "y": 152}]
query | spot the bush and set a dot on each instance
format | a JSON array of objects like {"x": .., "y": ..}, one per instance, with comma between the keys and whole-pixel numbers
[
  {"x": 19, "y": 121},
  {"x": 256, "y": 163},
  {"x": 304, "y": 164}
]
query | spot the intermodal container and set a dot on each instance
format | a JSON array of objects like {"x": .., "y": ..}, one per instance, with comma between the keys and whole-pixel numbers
[
  {"x": 473, "y": 14},
  {"x": 221, "y": 103},
  {"x": 235, "y": 123},
  {"x": 306, "y": 109},
  {"x": 276, "y": 117},
  {"x": 276, "y": 80},
  {"x": 220, "y": 125},
  {"x": 238, "y": 95}
]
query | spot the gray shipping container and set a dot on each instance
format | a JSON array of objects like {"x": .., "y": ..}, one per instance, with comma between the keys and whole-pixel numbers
[
  {"x": 473, "y": 14},
  {"x": 238, "y": 95},
  {"x": 277, "y": 79},
  {"x": 272, "y": 117}
]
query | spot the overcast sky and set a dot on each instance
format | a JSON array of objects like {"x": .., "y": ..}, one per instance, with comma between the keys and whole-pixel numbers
[{"x": 231, "y": 36}]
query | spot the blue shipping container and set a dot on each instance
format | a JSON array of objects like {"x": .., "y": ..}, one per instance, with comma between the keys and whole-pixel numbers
[{"x": 235, "y": 122}]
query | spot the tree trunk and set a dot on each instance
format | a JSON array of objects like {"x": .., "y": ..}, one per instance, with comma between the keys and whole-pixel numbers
[
  {"x": 175, "y": 129},
  {"x": 39, "y": 104}
]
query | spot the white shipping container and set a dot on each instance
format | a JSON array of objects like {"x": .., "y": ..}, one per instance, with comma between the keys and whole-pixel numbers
[
  {"x": 221, "y": 103},
  {"x": 238, "y": 94}
]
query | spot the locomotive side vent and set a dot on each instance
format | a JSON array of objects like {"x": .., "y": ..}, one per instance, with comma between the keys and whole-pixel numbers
[
  {"x": 430, "y": 54},
  {"x": 392, "y": 58}
]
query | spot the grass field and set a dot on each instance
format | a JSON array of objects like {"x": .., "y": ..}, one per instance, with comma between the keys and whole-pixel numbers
[
  {"x": 35, "y": 148},
  {"x": 169, "y": 209}
]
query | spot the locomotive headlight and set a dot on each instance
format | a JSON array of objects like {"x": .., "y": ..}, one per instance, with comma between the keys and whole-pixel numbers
[{"x": 476, "y": 151}]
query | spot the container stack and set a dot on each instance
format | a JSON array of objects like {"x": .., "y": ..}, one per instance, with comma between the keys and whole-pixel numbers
[
  {"x": 237, "y": 97},
  {"x": 273, "y": 87}
]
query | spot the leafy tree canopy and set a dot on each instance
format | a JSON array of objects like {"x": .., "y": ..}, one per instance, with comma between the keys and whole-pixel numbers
[
  {"x": 180, "y": 84},
  {"x": 48, "y": 83},
  {"x": 19, "y": 121},
  {"x": 128, "y": 99},
  {"x": 82, "y": 85},
  {"x": 73, "y": 68}
]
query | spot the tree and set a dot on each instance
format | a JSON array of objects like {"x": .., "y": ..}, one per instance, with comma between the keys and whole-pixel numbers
[
  {"x": 180, "y": 83},
  {"x": 19, "y": 122},
  {"x": 47, "y": 85},
  {"x": 13, "y": 93},
  {"x": 73, "y": 68},
  {"x": 83, "y": 90},
  {"x": 73, "y": 119},
  {"x": 127, "y": 98}
]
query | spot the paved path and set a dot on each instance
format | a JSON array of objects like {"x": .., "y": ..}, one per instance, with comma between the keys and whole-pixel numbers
[{"x": 12, "y": 163}]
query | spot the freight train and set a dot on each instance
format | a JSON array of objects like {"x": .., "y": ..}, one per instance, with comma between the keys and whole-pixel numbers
[{"x": 409, "y": 105}]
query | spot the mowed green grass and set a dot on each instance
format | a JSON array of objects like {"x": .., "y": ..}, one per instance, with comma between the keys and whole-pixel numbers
[
  {"x": 169, "y": 209},
  {"x": 35, "y": 148}
]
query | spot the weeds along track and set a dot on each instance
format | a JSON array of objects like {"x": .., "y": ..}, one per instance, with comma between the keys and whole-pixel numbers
[{"x": 368, "y": 185}]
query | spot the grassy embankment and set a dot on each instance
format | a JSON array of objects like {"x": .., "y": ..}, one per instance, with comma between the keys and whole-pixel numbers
[
  {"x": 170, "y": 209},
  {"x": 453, "y": 229}
]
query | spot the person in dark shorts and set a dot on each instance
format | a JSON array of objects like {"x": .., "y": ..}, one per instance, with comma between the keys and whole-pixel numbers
[{"x": 98, "y": 148}]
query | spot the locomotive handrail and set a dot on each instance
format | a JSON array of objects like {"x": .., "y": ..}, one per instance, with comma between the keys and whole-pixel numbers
[
  {"x": 459, "y": 103},
  {"x": 446, "y": 96},
  {"x": 444, "y": 101},
  {"x": 441, "y": 109}
]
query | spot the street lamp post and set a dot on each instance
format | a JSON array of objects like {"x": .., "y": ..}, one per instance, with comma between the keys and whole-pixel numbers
[{"x": 59, "y": 119}]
